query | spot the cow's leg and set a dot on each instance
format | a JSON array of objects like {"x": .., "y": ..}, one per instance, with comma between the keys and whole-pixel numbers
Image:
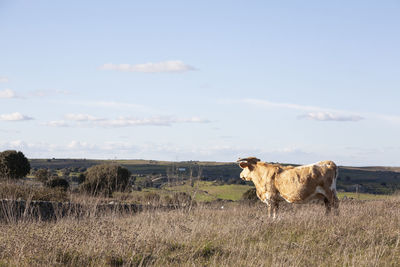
[
  {"x": 275, "y": 206},
  {"x": 335, "y": 203},
  {"x": 269, "y": 210},
  {"x": 327, "y": 206},
  {"x": 273, "y": 209},
  {"x": 331, "y": 200}
]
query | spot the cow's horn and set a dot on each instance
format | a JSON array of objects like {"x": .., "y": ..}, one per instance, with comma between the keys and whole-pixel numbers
[{"x": 251, "y": 160}]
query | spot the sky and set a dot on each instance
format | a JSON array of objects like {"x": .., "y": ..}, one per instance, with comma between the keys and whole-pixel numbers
[{"x": 285, "y": 81}]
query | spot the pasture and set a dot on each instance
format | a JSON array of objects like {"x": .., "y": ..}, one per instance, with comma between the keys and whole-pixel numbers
[
  {"x": 366, "y": 233},
  {"x": 201, "y": 191}
]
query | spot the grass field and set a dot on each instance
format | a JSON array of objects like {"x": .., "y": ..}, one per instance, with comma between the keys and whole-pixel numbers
[
  {"x": 366, "y": 233},
  {"x": 202, "y": 191},
  {"x": 208, "y": 191}
]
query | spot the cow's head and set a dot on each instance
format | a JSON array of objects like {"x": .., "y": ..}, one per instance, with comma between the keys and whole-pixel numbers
[{"x": 248, "y": 165}]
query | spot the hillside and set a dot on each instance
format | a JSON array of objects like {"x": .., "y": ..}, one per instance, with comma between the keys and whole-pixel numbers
[{"x": 377, "y": 180}]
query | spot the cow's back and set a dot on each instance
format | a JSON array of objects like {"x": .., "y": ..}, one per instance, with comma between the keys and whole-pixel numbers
[{"x": 302, "y": 183}]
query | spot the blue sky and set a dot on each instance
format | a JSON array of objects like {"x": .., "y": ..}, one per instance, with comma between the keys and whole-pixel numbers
[{"x": 297, "y": 81}]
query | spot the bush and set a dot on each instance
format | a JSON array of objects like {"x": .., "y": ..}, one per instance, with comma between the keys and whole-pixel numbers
[
  {"x": 250, "y": 195},
  {"x": 42, "y": 175},
  {"x": 13, "y": 165},
  {"x": 104, "y": 179},
  {"x": 236, "y": 181},
  {"x": 58, "y": 182}
]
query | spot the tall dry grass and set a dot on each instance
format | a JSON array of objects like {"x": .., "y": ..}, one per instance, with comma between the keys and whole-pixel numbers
[
  {"x": 364, "y": 234},
  {"x": 14, "y": 190}
]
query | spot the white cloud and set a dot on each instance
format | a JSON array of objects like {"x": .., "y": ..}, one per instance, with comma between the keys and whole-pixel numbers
[
  {"x": 80, "y": 145},
  {"x": 129, "y": 121},
  {"x": 16, "y": 116},
  {"x": 85, "y": 120},
  {"x": 72, "y": 149},
  {"x": 316, "y": 113},
  {"x": 269, "y": 104},
  {"x": 9, "y": 131},
  {"x": 40, "y": 149},
  {"x": 388, "y": 118},
  {"x": 57, "y": 124},
  {"x": 192, "y": 120},
  {"x": 82, "y": 117},
  {"x": 48, "y": 92},
  {"x": 154, "y": 121},
  {"x": 164, "y": 66},
  {"x": 104, "y": 147},
  {"x": 328, "y": 116},
  {"x": 7, "y": 93},
  {"x": 115, "y": 105},
  {"x": 3, "y": 79}
]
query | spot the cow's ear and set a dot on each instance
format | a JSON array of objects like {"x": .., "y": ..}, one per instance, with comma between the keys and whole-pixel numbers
[{"x": 243, "y": 164}]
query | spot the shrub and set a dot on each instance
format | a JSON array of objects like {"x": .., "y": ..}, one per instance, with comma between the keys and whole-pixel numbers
[
  {"x": 250, "y": 195},
  {"x": 104, "y": 179},
  {"x": 13, "y": 165},
  {"x": 59, "y": 182},
  {"x": 42, "y": 175}
]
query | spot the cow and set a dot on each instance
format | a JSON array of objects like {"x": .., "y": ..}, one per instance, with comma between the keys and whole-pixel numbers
[{"x": 275, "y": 183}]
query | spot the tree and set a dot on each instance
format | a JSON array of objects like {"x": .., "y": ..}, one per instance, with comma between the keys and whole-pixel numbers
[
  {"x": 13, "y": 165},
  {"x": 105, "y": 179}
]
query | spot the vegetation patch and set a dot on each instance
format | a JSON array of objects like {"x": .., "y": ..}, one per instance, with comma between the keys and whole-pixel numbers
[{"x": 10, "y": 190}]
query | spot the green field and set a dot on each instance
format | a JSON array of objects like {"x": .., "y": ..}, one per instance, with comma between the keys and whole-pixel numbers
[{"x": 202, "y": 191}]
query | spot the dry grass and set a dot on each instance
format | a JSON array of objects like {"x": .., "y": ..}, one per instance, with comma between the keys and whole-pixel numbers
[
  {"x": 13, "y": 190},
  {"x": 364, "y": 234}
]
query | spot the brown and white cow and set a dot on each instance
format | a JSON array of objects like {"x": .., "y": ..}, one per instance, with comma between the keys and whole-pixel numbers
[{"x": 275, "y": 183}]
